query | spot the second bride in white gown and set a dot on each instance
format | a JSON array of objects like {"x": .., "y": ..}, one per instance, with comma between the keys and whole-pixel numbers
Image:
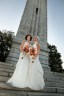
[{"x": 35, "y": 73}]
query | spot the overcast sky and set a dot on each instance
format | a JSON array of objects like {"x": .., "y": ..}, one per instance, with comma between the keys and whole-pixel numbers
[{"x": 12, "y": 10}]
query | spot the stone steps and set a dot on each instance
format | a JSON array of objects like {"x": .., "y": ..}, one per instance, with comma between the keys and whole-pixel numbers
[
  {"x": 8, "y": 68},
  {"x": 12, "y": 66},
  {"x": 8, "y": 90},
  {"x": 6, "y": 71},
  {"x": 51, "y": 80},
  {"x": 46, "y": 89},
  {"x": 5, "y": 74},
  {"x": 30, "y": 94},
  {"x": 54, "y": 83},
  {"x": 8, "y": 64}
]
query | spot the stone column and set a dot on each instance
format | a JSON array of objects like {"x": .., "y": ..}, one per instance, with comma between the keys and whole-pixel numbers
[{"x": 33, "y": 21}]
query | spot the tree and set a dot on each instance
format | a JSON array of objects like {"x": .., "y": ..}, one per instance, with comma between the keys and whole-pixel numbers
[
  {"x": 6, "y": 39},
  {"x": 55, "y": 61}
]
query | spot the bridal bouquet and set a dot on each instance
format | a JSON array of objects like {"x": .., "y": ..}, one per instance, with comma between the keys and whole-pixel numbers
[
  {"x": 32, "y": 54},
  {"x": 25, "y": 50}
]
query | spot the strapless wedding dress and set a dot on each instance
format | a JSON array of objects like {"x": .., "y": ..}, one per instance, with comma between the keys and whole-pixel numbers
[{"x": 35, "y": 74}]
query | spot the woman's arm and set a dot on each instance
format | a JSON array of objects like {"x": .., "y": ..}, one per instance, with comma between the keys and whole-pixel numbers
[
  {"x": 38, "y": 49},
  {"x": 21, "y": 46}
]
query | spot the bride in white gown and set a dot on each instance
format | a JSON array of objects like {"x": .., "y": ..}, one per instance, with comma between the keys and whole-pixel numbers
[
  {"x": 28, "y": 74},
  {"x": 35, "y": 74},
  {"x": 19, "y": 76}
]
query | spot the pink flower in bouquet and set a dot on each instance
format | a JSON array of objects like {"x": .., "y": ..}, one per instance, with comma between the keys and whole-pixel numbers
[
  {"x": 32, "y": 53},
  {"x": 26, "y": 49}
]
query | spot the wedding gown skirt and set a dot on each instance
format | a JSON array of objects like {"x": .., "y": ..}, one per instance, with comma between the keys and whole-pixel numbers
[{"x": 27, "y": 74}]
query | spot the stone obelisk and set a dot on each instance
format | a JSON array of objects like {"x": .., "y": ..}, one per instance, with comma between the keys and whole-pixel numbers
[{"x": 33, "y": 21}]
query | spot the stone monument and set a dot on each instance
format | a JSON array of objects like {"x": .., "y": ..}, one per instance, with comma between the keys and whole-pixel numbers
[{"x": 34, "y": 21}]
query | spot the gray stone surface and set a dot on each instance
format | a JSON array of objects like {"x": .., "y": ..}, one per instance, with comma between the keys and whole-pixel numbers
[
  {"x": 7, "y": 67},
  {"x": 3, "y": 78},
  {"x": 7, "y": 94},
  {"x": 6, "y": 64},
  {"x": 44, "y": 94},
  {"x": 12, "y": 93},
  {"x": 3, "y": 74},
  {"x": 6, "y": 70},
  {"x": 55, "y": 84}
]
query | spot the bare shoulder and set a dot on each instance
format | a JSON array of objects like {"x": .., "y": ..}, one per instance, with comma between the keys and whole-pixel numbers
[{"x": 38, "y": 45}]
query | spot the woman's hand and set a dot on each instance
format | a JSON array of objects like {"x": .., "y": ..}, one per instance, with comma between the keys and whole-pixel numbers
[
  {"x": 38, "y": 49},
  {"x": 21, "y": 46},
  {"x": 21, "y": 49}
]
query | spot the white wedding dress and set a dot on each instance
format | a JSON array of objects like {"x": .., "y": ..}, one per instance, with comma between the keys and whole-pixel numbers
[{"x": 28, "y": 74}]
